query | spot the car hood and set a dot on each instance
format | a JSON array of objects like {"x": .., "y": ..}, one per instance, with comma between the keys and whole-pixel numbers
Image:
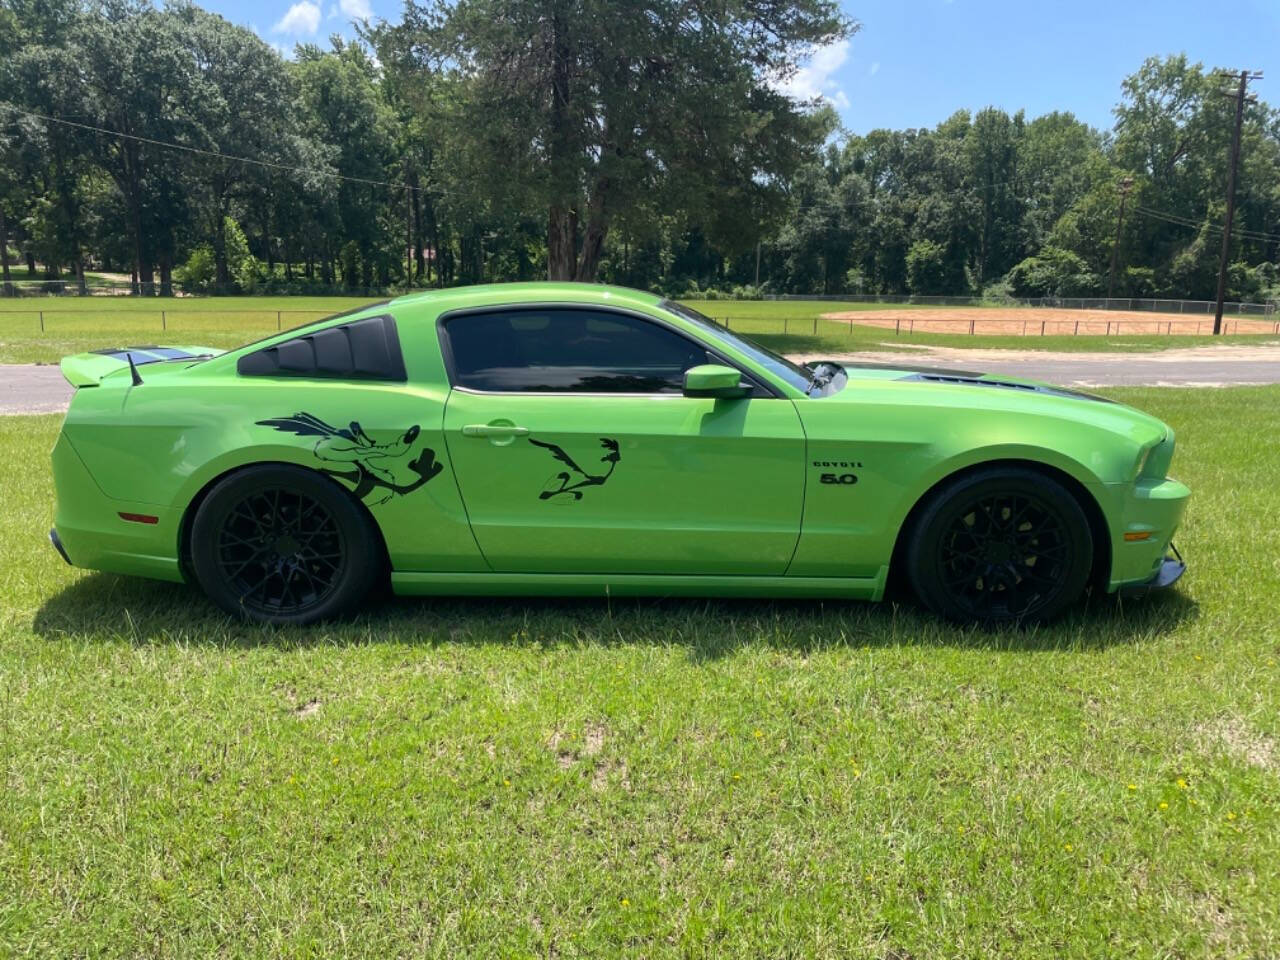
[{"x": 984, "y": 392}]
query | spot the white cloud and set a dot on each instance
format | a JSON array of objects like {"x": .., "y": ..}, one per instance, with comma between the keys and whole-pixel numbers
[
  {"x": 333, "y": 11},
  {"x": 816, "y": 78},
  {"x": 873, "y": 69},
  {"x": 359, "y": 9},
  {"x": 302, "y": 18}
]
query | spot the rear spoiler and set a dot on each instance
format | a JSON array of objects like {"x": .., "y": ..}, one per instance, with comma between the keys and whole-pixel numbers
[{"x": 88, "y": 369}]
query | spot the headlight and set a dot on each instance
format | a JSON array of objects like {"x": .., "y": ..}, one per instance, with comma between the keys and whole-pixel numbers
[{"x": 1143, "y": 457}]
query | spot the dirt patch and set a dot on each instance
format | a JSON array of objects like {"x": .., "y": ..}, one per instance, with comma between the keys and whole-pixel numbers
[
  {"x": 594, "y": 740},
  {"x": 1236, "y": 738},
  {"x": 307, "y": 709},
  {"x": 592, "y": 743},
  {"x": 1048, "y": 321}
]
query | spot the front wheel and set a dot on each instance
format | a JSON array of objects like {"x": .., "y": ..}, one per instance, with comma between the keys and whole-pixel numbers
[
  {"x": 281, "y": 544},
  {"x": 1000, "y": 545}
]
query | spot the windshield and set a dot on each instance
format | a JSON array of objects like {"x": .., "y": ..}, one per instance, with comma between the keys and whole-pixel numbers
[{"x": 794, "y": 374}]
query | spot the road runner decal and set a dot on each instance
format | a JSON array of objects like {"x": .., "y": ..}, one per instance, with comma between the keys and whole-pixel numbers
[{"x": 572, "y": 481}]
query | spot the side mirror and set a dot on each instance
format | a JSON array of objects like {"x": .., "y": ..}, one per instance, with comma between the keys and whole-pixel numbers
[{"x": 714, "y": 380}]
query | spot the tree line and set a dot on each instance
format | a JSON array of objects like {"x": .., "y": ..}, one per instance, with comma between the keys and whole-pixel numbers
[{"x": 646, "y": 144}]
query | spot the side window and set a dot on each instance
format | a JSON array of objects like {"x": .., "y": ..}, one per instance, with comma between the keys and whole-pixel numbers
[
  {"x": 567, "y": 351},
  {"x": 366, "y": 349}
]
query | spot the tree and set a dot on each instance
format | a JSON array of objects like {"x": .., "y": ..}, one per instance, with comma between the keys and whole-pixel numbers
[
  {"x": 1052, "y": 273},
  {"x": 927, "y": 272},
  {"x": 581, "y": 106}
]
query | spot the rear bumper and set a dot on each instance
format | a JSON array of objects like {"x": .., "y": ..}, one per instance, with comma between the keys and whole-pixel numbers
[{"x": 90, "y": 529}]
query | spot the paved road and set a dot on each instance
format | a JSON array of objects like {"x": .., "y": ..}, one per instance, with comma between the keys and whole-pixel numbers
[{"x": 30, "y": 388}]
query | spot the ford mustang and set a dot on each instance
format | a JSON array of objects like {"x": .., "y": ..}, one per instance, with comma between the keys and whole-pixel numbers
[{"x": 570, "y": 439}]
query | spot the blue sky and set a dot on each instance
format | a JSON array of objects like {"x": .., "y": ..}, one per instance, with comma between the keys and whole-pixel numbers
[{"x": 914, "y": 62}]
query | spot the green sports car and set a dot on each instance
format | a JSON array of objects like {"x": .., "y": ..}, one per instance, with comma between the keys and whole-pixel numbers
[{"x": 578, "y": 439}]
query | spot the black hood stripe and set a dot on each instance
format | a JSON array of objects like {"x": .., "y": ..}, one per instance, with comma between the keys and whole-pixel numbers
[{"x": 974, "y": 380}]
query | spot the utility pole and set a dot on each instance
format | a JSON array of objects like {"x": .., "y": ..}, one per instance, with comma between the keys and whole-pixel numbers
[
  {"x": 1245, "y": 77},
  {"x": 1125, "y": 185}
]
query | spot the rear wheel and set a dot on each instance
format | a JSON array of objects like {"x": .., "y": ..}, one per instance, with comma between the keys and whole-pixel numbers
[
  {"x": 281, "y": 544},
  {"x": 1000, "y": 545}
]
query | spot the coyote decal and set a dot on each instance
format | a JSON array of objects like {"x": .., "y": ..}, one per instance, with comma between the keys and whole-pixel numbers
[
  {"x": 377, "y": 471},
  {"x": 572, "y": 481}
]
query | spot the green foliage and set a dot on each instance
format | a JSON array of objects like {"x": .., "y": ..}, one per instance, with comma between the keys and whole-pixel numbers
[
  {"x": 1139, "y": 282},
  {"x": 630, "y": 143},
  {"x": 198, "y": 274},
  {"x": 927, "y": 269},
  {"x": 1052, "y": 273}
]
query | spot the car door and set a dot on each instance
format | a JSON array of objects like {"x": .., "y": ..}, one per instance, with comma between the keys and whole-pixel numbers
[{"x": 576, "y": 451}]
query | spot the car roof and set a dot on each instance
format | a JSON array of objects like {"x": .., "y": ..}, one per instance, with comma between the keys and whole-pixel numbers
[{"x": 493, "y": 294}]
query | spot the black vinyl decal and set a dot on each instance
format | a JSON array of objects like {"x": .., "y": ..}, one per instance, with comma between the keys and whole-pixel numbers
[
  {"x": 375, "y": 467},
  {"x": 572, "y": 481}
]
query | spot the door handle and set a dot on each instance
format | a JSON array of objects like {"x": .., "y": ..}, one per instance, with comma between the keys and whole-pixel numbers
[{"x": 494, "y": 430}]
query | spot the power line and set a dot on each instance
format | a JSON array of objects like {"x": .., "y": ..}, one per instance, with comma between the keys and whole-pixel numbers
[
  {"x": 288, "y": 168},
  {"x": 1181, "y": 221}
]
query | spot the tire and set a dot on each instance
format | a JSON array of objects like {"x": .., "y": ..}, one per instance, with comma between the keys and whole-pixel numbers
[
  {"x": 1000, "y": 545},
  {"x": 282, "y": 544}
]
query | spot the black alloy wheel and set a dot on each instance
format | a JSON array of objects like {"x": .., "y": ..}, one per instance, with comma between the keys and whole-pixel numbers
[
  {"x": 284, "y": 545},
  {"x": 1001, "y": 545}
]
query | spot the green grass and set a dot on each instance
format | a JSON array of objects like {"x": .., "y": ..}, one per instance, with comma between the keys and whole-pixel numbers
[
  {"x": 77, "y": 324},
  {"x": 650, "y": 778},
  {"x": 74, "y": 325}
]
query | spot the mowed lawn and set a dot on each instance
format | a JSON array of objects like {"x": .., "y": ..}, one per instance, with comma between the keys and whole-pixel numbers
[
  {"x": 651, "y": 778},
  {"x": 74, "y": 325}
]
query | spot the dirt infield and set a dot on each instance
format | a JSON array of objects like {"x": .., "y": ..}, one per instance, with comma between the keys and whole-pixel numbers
[{"x": 1047, "y": 321}]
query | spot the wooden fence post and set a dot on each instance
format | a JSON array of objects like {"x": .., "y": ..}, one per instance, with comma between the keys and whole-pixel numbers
[
  {"x": 1042, "y": 328},
  {"x": 164, "y": 322},
  {"x": 277, "y": 319},
  {"x": 42, "y": 321}
]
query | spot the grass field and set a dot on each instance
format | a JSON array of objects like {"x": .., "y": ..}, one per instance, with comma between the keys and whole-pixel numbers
[
  {"x": 650, "y": 778},
  {"x": 74, "y": 325}
]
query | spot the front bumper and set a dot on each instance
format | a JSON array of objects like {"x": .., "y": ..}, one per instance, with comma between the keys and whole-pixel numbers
[
  {"x": 1170, "y": 572},
  {"x": 1145, "y": 515},
  {"x": 57, "y": 545}
]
